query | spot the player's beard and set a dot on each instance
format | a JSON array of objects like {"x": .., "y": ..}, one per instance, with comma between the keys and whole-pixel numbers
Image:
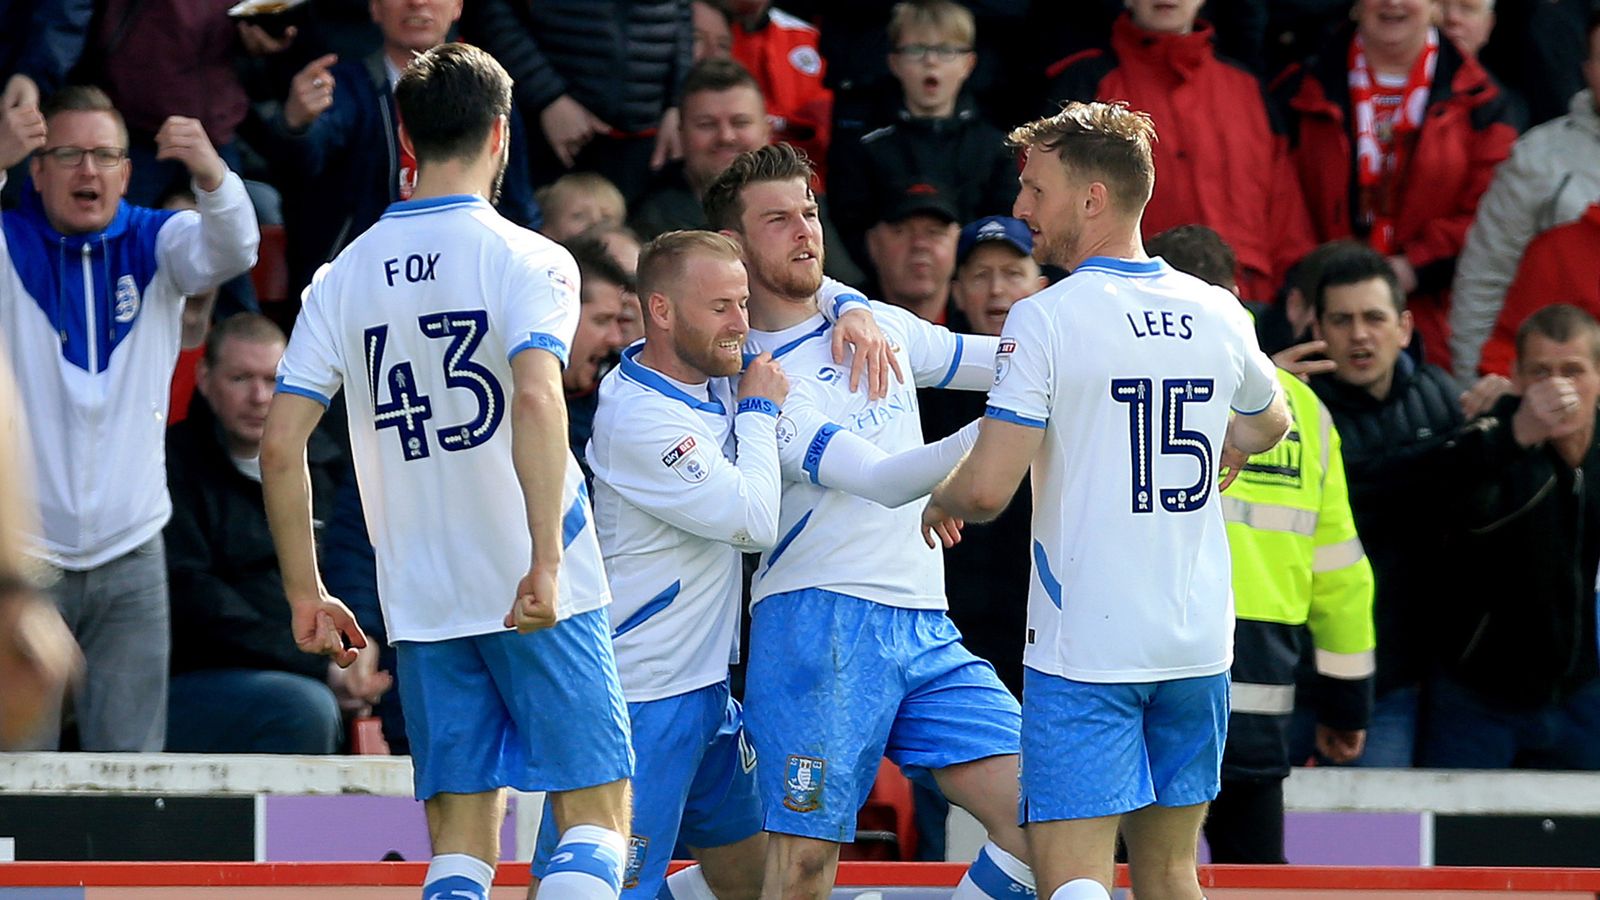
[
  {"x": 781, "y": 278},
  {"x": 1057, "y": 246},
  {"x": 698, "y": 350}
]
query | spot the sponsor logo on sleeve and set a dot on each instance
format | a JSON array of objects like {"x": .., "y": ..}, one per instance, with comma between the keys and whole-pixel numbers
[
  {"x": 1002, "y": 358},
  {"x": 685, "y": 459}
]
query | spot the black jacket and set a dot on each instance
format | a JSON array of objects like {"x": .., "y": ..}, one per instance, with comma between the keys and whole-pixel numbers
[
  {"x": 1519, "y": 626},
  {"x": 963, "y": 154},
  {"x": 228, "y": 605},
  {"x": 622, "y": 59},
  {"x": 1389, "y": 446}
]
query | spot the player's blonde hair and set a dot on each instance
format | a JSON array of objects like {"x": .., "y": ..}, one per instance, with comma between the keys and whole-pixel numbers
[
  {"x": 952, "y": 21},
  {"x": 1105, "y": 142},
  {"x": 662, "y": 259}
]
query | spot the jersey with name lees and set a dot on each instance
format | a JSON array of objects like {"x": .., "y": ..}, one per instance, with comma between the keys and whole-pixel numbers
[
  {"x": 673, "y": 513},
  {"x": 1130, "y": 367},
  {"x": 834, "y": 541},
  {"x": 418, "y": 319}
]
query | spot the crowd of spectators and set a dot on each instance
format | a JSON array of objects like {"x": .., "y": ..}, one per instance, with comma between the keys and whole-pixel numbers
[{"x": 1357, "y": 165}]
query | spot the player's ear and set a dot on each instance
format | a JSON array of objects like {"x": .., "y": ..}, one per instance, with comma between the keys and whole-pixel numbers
[
  {"x": 1097, "y": 199},
  {"x": 659, "y": 309},
  {"x": 499, "y": 134}
]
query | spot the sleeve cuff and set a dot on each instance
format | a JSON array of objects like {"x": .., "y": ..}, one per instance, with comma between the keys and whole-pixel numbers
[
  {"x": 848, "y": 301},
  {"x": 955, "y": 364},
  {"x": 285, "y": 387},
  {"x": 546, "y": 342},
  {"x": 1257, "y": 411},
  {"x": 758, "y": 405},
  {"x": 1006, "y": 415}
]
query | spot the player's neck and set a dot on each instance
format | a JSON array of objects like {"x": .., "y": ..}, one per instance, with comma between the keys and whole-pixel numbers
[
  {"x": 771, "y": 312},
  {"x": 1118, "y": 244},
  {"x": 447, "y": 179},
  {"x": 657, "y": 354}
]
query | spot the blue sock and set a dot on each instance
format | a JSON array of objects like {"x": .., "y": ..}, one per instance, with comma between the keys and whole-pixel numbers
[
  {"x": 457, "y": 876},
  {"x": 587, "y": 865}
]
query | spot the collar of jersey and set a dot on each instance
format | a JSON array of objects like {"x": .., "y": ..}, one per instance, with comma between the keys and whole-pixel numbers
[
  {"x": 816, "y": 332},
  {"x": 642, "y": 375},
  {"x": 1121, "y": 266},
  {"x": 432, "y": 204}
]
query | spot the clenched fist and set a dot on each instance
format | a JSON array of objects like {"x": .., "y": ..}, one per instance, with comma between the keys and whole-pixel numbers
[
  {"x": 764, "y": 378},
  {"x": 183, "y": 139}
]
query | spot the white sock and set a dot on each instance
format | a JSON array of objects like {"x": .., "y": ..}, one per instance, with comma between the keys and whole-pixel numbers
[
  {"x": 996, "y": 875},
  {"x": 458, "y": 875},
  {"x": 689, "y": 884},
  {"x": 1081, "y": 889},
  {"x": 587, "y": 865}
]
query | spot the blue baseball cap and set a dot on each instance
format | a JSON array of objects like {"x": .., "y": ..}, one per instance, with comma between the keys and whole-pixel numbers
[{"x": 1013, "y": 232}]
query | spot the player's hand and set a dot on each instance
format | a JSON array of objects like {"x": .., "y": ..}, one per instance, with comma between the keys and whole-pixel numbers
[
  {"x": 1477, "y": 399},
  {"x": 939, "y": 527},
  {"x": 1229, "y": 463},
  {"x": 1293, "y": 360},
  {"x": 763, "y": 377},
  {"x": 20, "y": 91},
  {"x": 1340, "y": 746},
  {"x": 535, "y": 606},
  {"x": 874, "y": 354},
  {"x": 258, "y": 41},
  {"x": 362, "y": 685},
  {"x": 183, "y": 139},
  {"x": 326, "y": 626},
  {"x": 21, "y": 133},
  {"x": 669, "y": 140},
  {"x": 569, "y": 127},
  {"x": 310, "y": 93},
  {"x": 1549, "y": 410}
]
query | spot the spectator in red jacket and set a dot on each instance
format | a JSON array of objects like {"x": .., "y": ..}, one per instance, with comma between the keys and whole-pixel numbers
[
  {"x": 1224, "y": 162},
  {"x": 1560, "y": 266},
  {"x": 780, "y": 50},
  {"x": 1397, "y": 135}
]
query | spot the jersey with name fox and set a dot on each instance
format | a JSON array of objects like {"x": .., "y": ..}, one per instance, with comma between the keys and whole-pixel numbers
[
  {"x": 673, "y": 512},
  {"x": 1130, "y": 367},
  {"x": 831, "y": 540},
  {"x": 418, "y": 320}
]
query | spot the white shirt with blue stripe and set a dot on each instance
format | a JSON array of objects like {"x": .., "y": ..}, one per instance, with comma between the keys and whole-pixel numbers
[
  {"x": 418, "y": 320},
  {"x": 1130, "y": 367},
  {"x": 835, "y": 541},
  {"x": 685, "y": 478}
]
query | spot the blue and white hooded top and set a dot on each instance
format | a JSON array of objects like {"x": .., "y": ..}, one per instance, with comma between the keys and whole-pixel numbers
[{"x": 92, "y": 323}]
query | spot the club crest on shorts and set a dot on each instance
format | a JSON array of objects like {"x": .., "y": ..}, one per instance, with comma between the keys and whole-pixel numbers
[
  {"x": 685, "y": 459},
  {"x": 637, "y": 846},
  {"x": 802, "y": 783},
  {"x": 1002, "y": 358}
]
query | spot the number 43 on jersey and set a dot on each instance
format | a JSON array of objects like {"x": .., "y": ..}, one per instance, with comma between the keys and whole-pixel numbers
[{"x": 408, "y": 409}]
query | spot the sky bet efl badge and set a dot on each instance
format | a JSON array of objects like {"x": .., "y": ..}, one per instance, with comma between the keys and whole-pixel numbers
[
  {"x": 684, "y": 458},
  {"x": 802, "y": 785},
  {"x": 1002, "y": 358}
]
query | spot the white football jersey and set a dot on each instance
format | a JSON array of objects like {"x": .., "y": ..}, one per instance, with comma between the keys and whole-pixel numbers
[
  {"x": 839, "y": 542},
  {"x": 418, "y": 319},
  {"x": 673, "y": 513},
  {"x": 1130, "y": 367}
]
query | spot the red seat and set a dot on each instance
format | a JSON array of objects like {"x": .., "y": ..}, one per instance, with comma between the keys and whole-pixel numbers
[
  {"x": 271, "y": 274},
  {"x": 886, "y": 827},
  {"x": 183, "y": 378}
]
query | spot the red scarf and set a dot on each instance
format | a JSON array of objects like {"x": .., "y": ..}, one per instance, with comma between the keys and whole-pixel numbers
[{"x": 1380, "y": 157}]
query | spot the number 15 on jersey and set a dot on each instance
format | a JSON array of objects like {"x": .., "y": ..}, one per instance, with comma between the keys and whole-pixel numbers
[{"x": 1144, "y": 406}]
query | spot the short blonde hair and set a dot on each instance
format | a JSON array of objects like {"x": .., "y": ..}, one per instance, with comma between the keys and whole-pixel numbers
[
  {"x": 662, "y": 259},
  {"x": 577, "y": 184},
  {"x": 952, "y": 20},
  {"x": 1106, "y": 142}
]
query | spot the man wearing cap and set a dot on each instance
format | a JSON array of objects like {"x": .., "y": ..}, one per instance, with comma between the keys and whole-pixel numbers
[{"x": 912, "y": 246}]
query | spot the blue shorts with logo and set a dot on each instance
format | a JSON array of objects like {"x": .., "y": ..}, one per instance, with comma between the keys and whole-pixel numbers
[
  {"x": 536, "y": 712},
  {"x": 836, "y": 683},
  {"x": 695, "y": 782},
  {"x": 1092, "y": 750}
]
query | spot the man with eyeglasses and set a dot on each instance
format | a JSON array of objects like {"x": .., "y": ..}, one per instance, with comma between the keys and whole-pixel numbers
[
  {"x": 91, "y": 308},
  {"x": 937, "y": 138}
]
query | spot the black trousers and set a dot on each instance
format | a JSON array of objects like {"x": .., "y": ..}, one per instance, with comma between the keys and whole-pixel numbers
[{"x": 1245, "y": 824}]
